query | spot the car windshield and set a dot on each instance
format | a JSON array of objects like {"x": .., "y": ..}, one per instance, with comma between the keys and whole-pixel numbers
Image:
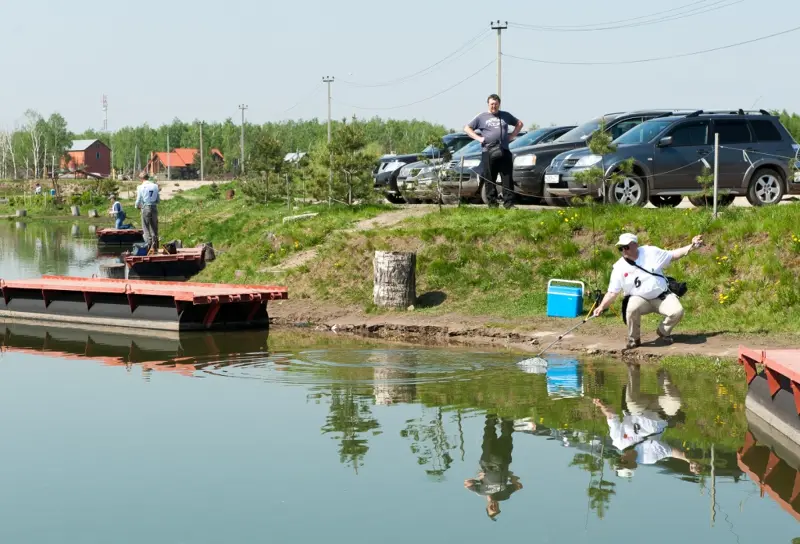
[
  {"x": 529, "y": 139},
  {"x": 582, "y": 132},
  {"x": 473, "y": 147},
  {"x": 644, "y": 132}
]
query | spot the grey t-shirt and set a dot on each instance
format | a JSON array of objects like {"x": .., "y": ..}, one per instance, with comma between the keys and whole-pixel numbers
[{"x": 494, "y": 128}]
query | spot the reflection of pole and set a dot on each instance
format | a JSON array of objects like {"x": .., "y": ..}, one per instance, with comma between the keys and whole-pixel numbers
[{"x": 713, "y": 488}]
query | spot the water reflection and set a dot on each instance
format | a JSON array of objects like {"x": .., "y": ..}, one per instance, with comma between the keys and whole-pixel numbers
[
  {"x": 495, "y": 481},
  {"x": 597, "y": 431},
  {"x": 32, "y": 249}
]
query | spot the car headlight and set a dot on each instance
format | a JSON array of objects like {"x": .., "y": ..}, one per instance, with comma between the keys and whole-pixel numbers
[
  {"x": 588, "y": 160},
  {"x": 525, "y": 160},
  {"x": 472, "y": 163},
  {"x": 426, "y": 171},
  {"x": 404, "y": 172}
]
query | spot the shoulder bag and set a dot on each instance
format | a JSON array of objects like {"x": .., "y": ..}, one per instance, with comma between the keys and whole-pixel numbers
[{"x": 679, "y": 288}]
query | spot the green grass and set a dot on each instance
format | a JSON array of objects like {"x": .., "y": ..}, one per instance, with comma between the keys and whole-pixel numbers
[
  {"x": 497, "y": 263},
  {"x": 250, "y": 237}
]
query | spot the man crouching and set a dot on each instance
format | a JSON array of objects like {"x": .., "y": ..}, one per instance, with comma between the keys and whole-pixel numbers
[{"x": 638, "y": 274}]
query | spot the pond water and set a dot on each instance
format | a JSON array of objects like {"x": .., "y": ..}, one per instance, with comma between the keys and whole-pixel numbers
[{"x": 298, "y": 437}]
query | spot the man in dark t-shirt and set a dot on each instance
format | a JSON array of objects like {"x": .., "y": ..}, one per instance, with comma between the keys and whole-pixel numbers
[{"x": 496, "y": 133}]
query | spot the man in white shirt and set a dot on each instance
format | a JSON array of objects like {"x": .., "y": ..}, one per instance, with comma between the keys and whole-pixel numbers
[
  {"x": 639, "y": 274},
  {"x": 147, "y": 199}
]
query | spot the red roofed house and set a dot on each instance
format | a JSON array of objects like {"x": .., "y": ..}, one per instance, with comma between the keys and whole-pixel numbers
[
  {"x": 89, "y": 156},
  {"x": 180, "y": 163}
]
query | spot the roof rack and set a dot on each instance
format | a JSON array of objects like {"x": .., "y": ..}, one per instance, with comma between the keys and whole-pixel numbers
[{"x": 729, "y": 112}]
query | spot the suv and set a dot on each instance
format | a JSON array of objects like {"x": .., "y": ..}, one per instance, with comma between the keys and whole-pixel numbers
[
  {"x": 530, "y": 162},
  {"x": 669, "y": 153},
  {"x": 385, "y": 172},
  {"x": 469, "y": 175}
]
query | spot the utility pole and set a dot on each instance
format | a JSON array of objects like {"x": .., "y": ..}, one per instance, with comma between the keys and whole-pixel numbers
[
  {"x": 169, "y": 169},
  {"x": 201, "y": 151},
  {"x": 499, "y": 28},
  {"x": 241, "y": 166},
  {"x": 329, "y": 80}
]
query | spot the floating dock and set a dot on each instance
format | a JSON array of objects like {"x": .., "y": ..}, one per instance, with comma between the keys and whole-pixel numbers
[
  {"x": 119, "y": 237},
  {"x": 772, "y": 462},
  {"x": 140, "y": 304},
  {"x": 179, "y": 266},
  {"x": 774, "y": 391}
]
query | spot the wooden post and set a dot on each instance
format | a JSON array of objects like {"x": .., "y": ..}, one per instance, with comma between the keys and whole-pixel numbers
[
  {"x": 113, "y": 270},
  {"x": 22, "y": 213},
  {"x": 395, "y": 279},
  {"x": 93, "y": 213},
  {"x": 76, "y": 211}
]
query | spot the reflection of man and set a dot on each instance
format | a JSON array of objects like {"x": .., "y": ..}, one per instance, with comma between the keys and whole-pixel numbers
[
  {"x": 638, "y": 434},
  {"x": 495, "y": 481}
]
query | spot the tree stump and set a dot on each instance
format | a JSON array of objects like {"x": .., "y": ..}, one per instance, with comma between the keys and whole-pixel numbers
[
  {"x": 113, "y": 270},
  {"x": 76, "y": 211},
  {"x": 93, "y": 213},
  {"x": 395, "y": 283},
  {"x": 229, "y": 194},
  {"x": 22, "y": 213}
]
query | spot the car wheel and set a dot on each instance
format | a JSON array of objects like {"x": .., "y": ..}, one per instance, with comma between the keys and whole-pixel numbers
[
  {"x": 630, "y": 190},
  {"x": 766, "y": 188},
  {"x": 553, "y": 200},
  {"x": 485, "y": 195},
  {"x": 666, "y": 201},
  {"x": 703, "y": 201},
  {"x": 395, "y": 199}
]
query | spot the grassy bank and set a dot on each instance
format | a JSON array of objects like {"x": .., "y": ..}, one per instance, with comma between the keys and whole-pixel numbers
[{"x": 497, "y": 263}]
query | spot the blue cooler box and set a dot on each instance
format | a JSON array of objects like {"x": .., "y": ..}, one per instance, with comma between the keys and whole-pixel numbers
[{"x": 564, "y": 300}]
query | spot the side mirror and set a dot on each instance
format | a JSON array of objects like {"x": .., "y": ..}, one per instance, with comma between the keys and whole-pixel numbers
[{"x": 666, "y": 141}]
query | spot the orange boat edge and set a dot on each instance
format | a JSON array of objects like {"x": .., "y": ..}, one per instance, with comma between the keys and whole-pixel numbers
[{"x": 162, "y": 305}]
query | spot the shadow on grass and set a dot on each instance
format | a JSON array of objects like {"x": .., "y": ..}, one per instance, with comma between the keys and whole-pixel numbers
[{"x": 431, "y": 299}]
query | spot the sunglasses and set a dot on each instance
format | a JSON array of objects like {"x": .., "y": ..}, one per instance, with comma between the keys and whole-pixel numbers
[{"x": 623, "y": 247}]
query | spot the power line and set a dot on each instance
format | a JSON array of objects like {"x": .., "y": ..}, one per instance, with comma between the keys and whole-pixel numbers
[
  {"x": 616, "y": 21},
  {"x": 654, "y": 59},
  {"x": 651, "y": 21},
  {"x": 481, "y": 69},
  {"x": 313, "y": 93},
  {"x": 469, "y": 44}
]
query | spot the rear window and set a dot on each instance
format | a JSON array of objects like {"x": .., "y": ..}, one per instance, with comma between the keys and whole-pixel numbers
[
  {"x": 732, "y": 131},
  {"x": 766, "y": 131}
]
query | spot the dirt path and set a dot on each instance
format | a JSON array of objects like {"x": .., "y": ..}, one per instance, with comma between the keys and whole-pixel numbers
[
  {"x": 383, "y": 220},
  {"x": 530, "y": 336},
  {"x": 168, "y": 189}
]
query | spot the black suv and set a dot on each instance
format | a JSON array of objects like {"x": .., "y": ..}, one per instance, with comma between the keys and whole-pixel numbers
[
  {"x": 531, "y": 162},
  {"x": 669, "y": 153}
]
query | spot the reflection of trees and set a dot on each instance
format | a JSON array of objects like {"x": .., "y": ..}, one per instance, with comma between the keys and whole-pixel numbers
[
  {"x": 351, "y": 417},
  {"x": 599, "y": 490},
  {"x": 49, "y": 248},
  {"x": 430, "y": 443}
]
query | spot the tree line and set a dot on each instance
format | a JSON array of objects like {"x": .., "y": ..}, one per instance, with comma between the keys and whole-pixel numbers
[{"x": 38, "y": 144}]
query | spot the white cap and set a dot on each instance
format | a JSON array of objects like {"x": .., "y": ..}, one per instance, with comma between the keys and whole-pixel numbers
[
  {"x": 624, "y": 473},
  {"x": 627, "y": 238}
]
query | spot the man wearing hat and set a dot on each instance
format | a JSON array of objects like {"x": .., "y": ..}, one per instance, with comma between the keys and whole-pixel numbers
[{"x": 639, "y": 275}]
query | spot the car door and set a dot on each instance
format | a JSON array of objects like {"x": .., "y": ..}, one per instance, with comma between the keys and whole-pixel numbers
[
  {"x": 677, "y": 165},
  {"x": 734, "y": 139}
]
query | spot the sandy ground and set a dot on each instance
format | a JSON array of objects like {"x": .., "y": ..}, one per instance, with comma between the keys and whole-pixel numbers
[{"x": 602, "y": 336}]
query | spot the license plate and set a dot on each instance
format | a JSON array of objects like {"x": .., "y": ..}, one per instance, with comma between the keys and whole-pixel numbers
[{"x": 552, "y": 178}]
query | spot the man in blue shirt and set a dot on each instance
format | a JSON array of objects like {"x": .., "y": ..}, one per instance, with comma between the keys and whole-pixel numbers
[
  {"x": 495, "y": 137},
  {"x": 118, "y": 213},
  {"x": 147, "y": 199}
]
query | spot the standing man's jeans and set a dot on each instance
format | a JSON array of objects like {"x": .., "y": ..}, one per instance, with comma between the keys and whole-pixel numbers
[
  {"x": 504, "y": 166},
  {"x": 150, "y": 225},
  {"x": 670, "y": 308}
]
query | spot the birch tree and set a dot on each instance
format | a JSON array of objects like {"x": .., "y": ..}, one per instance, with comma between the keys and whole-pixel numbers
[{"x": 33, "y": 128}]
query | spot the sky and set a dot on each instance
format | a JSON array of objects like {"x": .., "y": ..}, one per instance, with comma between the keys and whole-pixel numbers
[{"x": 158, "y": 60}]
